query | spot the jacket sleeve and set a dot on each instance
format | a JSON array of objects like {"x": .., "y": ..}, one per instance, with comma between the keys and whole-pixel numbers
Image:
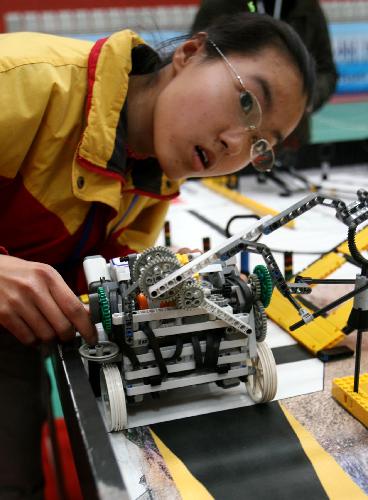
[
  {"x": 140, "y": 234},
  {"x": 24, "y": 92}
]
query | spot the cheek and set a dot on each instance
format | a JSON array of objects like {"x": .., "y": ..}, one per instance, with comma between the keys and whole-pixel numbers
[
  {"x": 181, "y": 120},
  {"x": 169, "y": 137}
]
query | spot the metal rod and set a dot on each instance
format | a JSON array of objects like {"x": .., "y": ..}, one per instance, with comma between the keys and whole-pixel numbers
[
  {"x": 313, "y": 281},
  {"x": 333, "y": 304},
  {"x": 358, "y": 351}
]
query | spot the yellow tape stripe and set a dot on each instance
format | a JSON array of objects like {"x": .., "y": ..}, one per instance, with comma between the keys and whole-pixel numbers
[
  {"x": 188, "y": 486},
  {"x": 336, "y": 482},
  {"x": 235, "y": 196}
]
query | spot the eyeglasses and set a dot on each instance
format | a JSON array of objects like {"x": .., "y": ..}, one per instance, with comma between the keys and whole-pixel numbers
[{"x": 261, "y": 153}]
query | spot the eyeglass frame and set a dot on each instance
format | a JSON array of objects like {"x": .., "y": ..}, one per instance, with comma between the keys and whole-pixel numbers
[{"x": 258, "y": 140}]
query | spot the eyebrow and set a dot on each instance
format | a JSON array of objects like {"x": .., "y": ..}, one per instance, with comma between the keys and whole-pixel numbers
[{"x": 266, "y": 90}]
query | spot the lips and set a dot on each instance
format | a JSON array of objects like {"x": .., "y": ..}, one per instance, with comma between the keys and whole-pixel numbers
[{"x": 205, "y": 157}]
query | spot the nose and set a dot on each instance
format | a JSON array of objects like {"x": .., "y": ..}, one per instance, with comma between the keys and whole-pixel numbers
[{"x": 232, "y": 140}]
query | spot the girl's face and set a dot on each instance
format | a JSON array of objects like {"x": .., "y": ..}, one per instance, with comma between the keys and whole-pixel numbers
[{"x": 198, "y": 122}]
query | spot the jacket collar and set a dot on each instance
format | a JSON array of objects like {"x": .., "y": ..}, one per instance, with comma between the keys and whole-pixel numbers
[{"x": 102, "y": 148}]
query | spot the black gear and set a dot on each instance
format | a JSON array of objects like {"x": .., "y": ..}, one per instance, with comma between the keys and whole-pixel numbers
[
  {"x": 255, "y": 284},
  {"x": 260, "y": 321}
]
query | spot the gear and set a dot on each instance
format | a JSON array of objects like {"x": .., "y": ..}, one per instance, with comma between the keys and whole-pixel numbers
[
  {"x": 255, "y": 284},
  {"x": 190, "y": 295},
  {"x": 219, "y": 299},
  {"x": 260, "y": 321},
  {"x": 104, "y": 309},
  {"x": 146, "y": 256},
  {"x": 156, "y": 269},
  {"x": 266, "y": 284}
]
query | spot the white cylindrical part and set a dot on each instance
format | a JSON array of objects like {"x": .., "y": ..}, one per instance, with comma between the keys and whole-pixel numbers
[{"x": 95, "y": 268}]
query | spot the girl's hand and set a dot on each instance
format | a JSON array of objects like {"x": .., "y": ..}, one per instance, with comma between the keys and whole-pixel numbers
[{"x": 37, "y": 305}]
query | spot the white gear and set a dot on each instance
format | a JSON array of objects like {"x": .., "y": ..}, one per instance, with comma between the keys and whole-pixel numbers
[
  {"x": 146, "y": 256},
  {"x": 190, "y": 295},
  {"x": 156, "y": 269}
]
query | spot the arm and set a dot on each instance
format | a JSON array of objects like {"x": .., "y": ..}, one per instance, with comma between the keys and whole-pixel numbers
[
  {"x": 36, "y": 303},
  {"x": 24, "y": 101}
]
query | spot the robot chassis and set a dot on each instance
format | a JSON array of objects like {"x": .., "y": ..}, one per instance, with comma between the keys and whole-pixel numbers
[{"x": 171, "y": 321}]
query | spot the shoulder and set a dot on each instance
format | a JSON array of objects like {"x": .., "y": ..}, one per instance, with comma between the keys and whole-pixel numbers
[{"x": 22, "y": 49}]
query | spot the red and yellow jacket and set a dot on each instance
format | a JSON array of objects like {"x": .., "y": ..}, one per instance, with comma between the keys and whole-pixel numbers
[{"x": 67, "y": 187}]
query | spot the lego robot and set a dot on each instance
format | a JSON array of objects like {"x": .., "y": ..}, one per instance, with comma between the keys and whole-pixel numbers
[{"x": 170, "y": 321}]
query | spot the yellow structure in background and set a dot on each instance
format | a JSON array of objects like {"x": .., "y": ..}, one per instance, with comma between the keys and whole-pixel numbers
[
  {"x": 322, "y": 333},
  {"x": 219, "y": 186},
  {"x": 315, "y": 336},
  {"x": 355, "y": 403}
]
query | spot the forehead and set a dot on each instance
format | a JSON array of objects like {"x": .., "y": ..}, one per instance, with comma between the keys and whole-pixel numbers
[{"x": 268, "y": 68}]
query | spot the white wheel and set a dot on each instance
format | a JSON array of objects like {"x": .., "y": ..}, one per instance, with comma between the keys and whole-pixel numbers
[
  {"x": 262, "y": 385},
  {"x": 113, "y": 398}
]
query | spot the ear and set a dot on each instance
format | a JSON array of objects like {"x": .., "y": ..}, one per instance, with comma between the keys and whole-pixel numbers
[{"x": 188, "y": 51}]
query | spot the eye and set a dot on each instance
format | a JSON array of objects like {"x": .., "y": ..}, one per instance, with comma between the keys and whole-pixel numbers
[{"x": 246, "y": 101}]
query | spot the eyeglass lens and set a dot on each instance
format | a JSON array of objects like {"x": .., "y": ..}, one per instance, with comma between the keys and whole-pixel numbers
[
  {"x": 262, "y": 155},
  {"x": 251, "y": 110}
]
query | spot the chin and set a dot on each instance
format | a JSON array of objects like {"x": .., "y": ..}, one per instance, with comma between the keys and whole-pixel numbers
[{"x": 171, "y": 173}]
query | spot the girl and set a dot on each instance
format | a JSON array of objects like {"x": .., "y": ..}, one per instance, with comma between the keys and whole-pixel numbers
[{"x": 95, "y": 141}]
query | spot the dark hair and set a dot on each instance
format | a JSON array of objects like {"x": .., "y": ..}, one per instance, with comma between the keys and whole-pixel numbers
[
  {"x": 242, "y": 33},
  {"x": 245, "y": 33}
]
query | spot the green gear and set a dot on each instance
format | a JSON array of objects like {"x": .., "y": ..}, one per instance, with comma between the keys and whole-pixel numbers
[
  {"x": 104, "y": 309},
  {"x": 266, "y": 284}
]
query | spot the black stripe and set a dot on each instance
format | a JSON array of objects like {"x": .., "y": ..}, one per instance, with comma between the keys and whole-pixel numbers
[
  {"x": 245, "y": 453},
  {"x": 290, "y": 354},
  {"x": 154, "y": 345},
  {"x": 118, "y": 161},
  {"x": 208, "y": 222}
]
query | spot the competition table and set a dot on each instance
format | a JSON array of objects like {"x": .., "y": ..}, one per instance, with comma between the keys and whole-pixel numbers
[{"x": 95, "y": 461}]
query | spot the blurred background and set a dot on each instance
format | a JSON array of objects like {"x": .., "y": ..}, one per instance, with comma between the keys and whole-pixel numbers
[{"x": 159, "y": 20}]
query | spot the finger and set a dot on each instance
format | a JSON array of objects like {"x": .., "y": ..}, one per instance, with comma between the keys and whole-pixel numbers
[
  {"x": 37, "y": 322},
  {"x": 19, "y": 328},
  {"x": 183, "y": 250},
  {"x": 55, "y": 317},
  {"x": 45, "y": 319},
  {"x": 74, "y": 310}
]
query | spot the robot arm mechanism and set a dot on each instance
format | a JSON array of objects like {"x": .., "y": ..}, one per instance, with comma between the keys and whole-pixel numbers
[
  {"x": 170, "y": 321},
  {"x": 351, "y": 215}
]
